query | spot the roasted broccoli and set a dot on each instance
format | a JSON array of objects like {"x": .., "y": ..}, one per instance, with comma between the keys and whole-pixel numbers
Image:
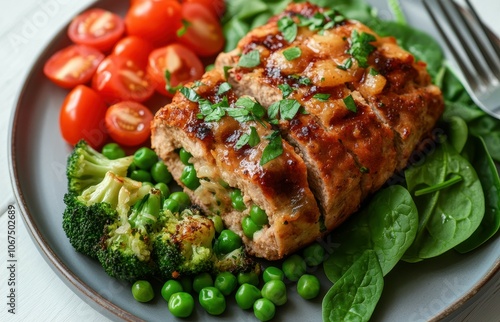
[
  {"x": 235, "y": 262},
  {"x": 125, "y": 249},
  {"x": 87, "y": 167}
]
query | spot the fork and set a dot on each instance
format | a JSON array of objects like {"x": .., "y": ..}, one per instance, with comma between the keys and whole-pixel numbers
[{"x": 475, "y": 50}]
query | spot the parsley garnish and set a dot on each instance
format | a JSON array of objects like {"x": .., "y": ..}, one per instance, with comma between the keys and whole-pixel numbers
[
  {"x": 250, "y": 59},
  {"x": 346, "y": 65},
  {"x": 373, "y": 72},
  {"x": 169, "y": 87},
  {"x": 321, "y": 97},
  {"x": 285, "y": 89},
  {"x": 360, "y": 47},
  {"x": 248, "y": 110},
  {"x": 322, "y": 21},
  {"x": 251, "y": 139},
  {"x": 213, "y": 112},
  {"x": 226, "y": 71},
  {"x": 274, "y": 149},
  {"x": 350, "y": 104},
  {"x": 292, "y": 53},
  {"x": 223, "y": 88},
  {"x": 287, "y": 108},
  {"x": 288, "y": 28},
  {"x": 190, "y": 94},
  {"x": 182, "y": 30}
]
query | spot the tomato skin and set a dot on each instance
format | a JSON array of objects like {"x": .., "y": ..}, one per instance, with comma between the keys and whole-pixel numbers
[
  {"x": 217, "y": 7},
  {"x": 184, "y": 66},
  {"x": 128, "y": 123},
  {"x": 120, "y": 79},
  {"x": 133, "y": 48},
  {"x": 72, "y": 65},
  {"x": 204, "y": 33},
  {"x": 97, "y": 28},
  {"x": 155, "y": 21},
  {"x": 82, "y": 117}
]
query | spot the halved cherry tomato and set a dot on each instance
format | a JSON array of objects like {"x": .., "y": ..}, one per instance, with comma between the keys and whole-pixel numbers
[
  {"x": 72, "y": 65},
  {"x": 183, "y": 65},
  {"x": 217, "y": 7},
  {"x": 82, "y": 117},
  {"x": 203, "y": 33},
  {"x": 128, "y": 123},
  {"x": 155, "y": 21},
  {"x": 97, "y": 28},
  {"x": 133, "y": 48},
  {"x": 120, "y": 79}
]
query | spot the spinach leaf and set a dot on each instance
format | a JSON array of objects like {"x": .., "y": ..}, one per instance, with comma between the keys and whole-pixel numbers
[
  {"x": 448, "y": 216},
  {"x": 354, "y": 296},
  {"x": 387, "y": 225},
  {"x": 457, "y": 132},
  {"x": 489, "y": 129},
  {"x": 477, "y": 153}
]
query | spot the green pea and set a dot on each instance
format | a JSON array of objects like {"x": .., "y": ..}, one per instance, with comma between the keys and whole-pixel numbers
[
  {"x": 275, "y": 291},
  {"x": 228, "y": 241},
  {"x": 187, "y": 283},
  {"x": 184, "y": 156},
  {"x": 272, "y": 273},
  {"x": 131, "y": 168},
  {"x": 264, "y": 310},
  {"x": 237, "y": 200},
  {"x": 144, "y": 158},
  {"x": 170, "y": 287},
  {"x": 182, "y": 199},
  {"x": 246, "y": 295},
  {"x": 212, "y": 300},
  {"x": 258, "y": 216},
  {"x": 226, "y": 282},
  {"x": 147, "y": 183},
  {"x": 160, "y": 173},
  {"x": 165, "y": 191},
  {"x": 249, "y": 278},
  {"x": 181, "y": 304},
  {"x": 189, "y": 178},
  {"x": 113, "y": 151},
  {"x": 201, "y": 281},
  {"x": 294, "y": 267},
  {"x": 172, "y": 205},
  {"x": 141, "y": 176},
  {"x": 218, "y": 224},
  {"x": 142, "y": 291},
  {"x": 308, "y": 286},
  {"x": 314, "y": 254},
  {"x": 249, "y": 227}
]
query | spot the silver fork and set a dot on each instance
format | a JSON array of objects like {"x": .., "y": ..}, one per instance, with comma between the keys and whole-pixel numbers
[{"x": 475, "y": 50}]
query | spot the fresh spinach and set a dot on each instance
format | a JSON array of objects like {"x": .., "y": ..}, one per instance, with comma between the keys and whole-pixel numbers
[
  {"x": 448, "y": 216},
  {"x": 477, "y": 153},
  {"x": 354, "y": 296},
  {"x": 387, "y": 225},
  {"x": 489, "y": 129},
  {"x": 457, "y": 132}
]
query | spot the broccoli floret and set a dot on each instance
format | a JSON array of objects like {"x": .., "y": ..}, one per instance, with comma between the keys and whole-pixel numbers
[
  {"x": 235, "y": 262},
  {"x": 86, "y": 215},
  {"x": 184, "y": 245},
  {"x": 125, "y": 251},
  {"x": 87, "y": 167}
]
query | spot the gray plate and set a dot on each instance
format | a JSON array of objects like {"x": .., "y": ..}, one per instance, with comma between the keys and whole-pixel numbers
[{"x": 429, "y": 290}]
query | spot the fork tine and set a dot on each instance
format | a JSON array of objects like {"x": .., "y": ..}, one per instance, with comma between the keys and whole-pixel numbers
[{"x": 493, "y": 43}]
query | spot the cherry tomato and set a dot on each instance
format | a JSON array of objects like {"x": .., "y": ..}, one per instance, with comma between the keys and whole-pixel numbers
[
  {"x": 133, "y": 48},
  {"x": 128, "y": 123},
  {"x": 82, "y": 117},
  {"x": 217, "y": 7},
  {"x": 97, "y": 28},
  {"x": 203, "y": 33},
  {"x": 183, "y": 65},
  {"x": 120, "y": 79},
  {"x": 155, "y": 21},
  {"x": 72, "y": 65}
]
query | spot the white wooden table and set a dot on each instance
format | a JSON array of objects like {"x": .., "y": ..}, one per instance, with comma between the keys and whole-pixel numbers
[{"x": 26, "y": 26}]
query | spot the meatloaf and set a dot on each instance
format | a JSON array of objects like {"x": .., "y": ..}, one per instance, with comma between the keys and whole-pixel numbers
[{"x": 347, "y": 107}]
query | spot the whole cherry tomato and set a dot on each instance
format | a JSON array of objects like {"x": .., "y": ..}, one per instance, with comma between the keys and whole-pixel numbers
[
  {"x": 133, "y": 48},
  {"x": 128, "y": 123}
]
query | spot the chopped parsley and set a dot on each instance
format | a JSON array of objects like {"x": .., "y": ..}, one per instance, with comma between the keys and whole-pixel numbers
[
  {"x": 223, "y": 88},
  {"x": 213, "y": 112},
  {"x": 190, "y": 94},
  {"x": 171, "y": 89},
  {"x": 373, "y": 72},
  {"x": 251, "y": 139},
  {"x": 288, "y": 28},
  {"x": 292, "y": 53},
  {"x": 350, "y": 104},
  {"x": 321, "y": 97},
  {"x": 274, "y": 149},
  {"x": 346, "y": 65},
  {"x": 360, "y": 47},
  {"x": 286, "y": 90},
  {"x": 250, "y": 59},
  {"x": 248, "y": 110},
  {"x": 286, "y": 108},
  {"x": 182, "y": 30},
  {"x": 226, "y": 71},
  {"x": 322, "y": 21}
]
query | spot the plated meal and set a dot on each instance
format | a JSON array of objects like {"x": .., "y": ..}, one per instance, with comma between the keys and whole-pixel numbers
[{"x": 311, "y": 155}]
